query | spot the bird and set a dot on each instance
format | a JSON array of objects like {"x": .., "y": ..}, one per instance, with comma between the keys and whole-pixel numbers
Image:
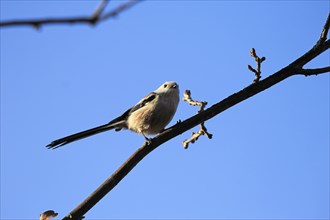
[
  {"x": 47, "y": 215},
  {"x": 148, "y": 117}
]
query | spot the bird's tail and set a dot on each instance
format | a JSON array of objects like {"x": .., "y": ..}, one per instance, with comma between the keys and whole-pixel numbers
[{"x": 83, "y": 134}]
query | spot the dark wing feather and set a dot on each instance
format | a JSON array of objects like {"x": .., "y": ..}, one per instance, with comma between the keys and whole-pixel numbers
[
  {"x": 139, "y": 105},
  {"x": 143, "y": 102}
]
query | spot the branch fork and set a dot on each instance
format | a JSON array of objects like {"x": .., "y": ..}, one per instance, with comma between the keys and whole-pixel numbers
[
  {"x": 203, "y": 129},
  {"x": 96, "y": 17}
]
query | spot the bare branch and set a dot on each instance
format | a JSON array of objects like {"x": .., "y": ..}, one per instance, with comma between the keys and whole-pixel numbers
[
  {"x": 310, "y": 55},
  {"x": 91, "y": 20},
  {"x": 295, "y": 68},
  {"x": 310, "y": 72},
  {"x": 120, "y": 9},
  {"x": 36, "y": 23},
  {"x": 325, "y": 30},
  {"x": 100, "y": 9}
]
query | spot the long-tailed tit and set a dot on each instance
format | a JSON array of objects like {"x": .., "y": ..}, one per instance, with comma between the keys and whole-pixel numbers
[{"x": 149, "y": 116}]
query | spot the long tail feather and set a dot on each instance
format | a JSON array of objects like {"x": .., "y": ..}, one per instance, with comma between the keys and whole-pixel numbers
[{"x": 83, "y": 134}]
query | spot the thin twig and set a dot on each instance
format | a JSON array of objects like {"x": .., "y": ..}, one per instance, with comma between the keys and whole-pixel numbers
[
  {"x": 202, "y": 130},
  {"x": 257, "y": 72},
  {"x": 91, "y": 20},
  {"x": 325, "y": 31},
  {"x": 311, "y": 72},
  {"x": 195, "y": 136},
  {"x": 187, "y": 98},
  {"x": 312, "y": 53},
  {"x": 99, "y": 9},
  {"x": 120, "y": 9}
]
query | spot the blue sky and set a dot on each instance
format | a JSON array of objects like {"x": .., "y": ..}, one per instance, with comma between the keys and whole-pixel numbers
[{"x": 268, "y": 159}]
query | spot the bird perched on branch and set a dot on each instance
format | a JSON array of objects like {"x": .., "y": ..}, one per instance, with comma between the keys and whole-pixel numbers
[{"x": 149, "y": 116}]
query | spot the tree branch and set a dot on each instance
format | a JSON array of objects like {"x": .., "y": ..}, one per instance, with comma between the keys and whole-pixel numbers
[
  {"x": 119, "y": 9},
  {"x": 316, "y": 71},
  {"x": 295, "y": 68},
  {"x": 95, "y": 18},
  {"x": 322, "y": 44},
  {"x": 325, "y": 31},
  {"x": 100, "y": 9},
  {"x": 310, "y": 55}
]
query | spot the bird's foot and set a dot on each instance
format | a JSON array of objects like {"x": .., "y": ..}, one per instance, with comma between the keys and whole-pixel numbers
[{"x": 148, "y": 140}]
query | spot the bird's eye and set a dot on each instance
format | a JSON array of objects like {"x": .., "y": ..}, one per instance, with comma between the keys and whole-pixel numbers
[{"x": 165, "y": 85}]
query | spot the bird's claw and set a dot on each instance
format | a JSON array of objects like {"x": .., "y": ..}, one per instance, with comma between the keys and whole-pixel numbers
[{"x": 148, "y": 140}]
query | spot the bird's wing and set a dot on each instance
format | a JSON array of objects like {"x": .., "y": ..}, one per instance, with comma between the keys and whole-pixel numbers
[{"x": 148, "y": 98}]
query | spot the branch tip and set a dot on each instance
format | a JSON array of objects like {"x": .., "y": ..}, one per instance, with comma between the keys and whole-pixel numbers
[
  {"x": 257, "y": 71},
  {"x": 187, "y": 98},
  {"x": 96, "y": 15},
  {"x": 325, "y": 31},
  {"x": 195, "y": 136}
]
